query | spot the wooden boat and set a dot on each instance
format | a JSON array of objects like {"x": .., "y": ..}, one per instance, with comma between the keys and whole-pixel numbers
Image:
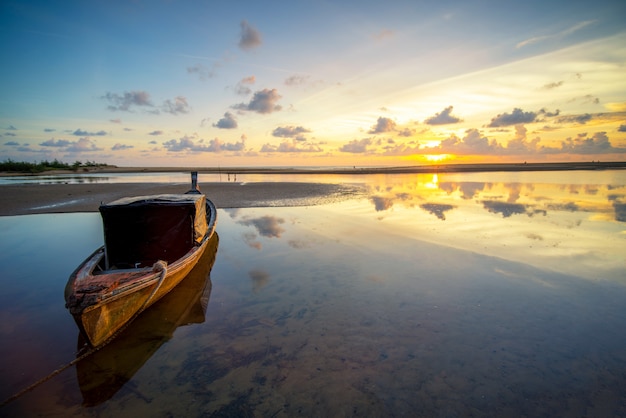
[
  {"x": 106, "y": 371},
  {"x": 150, "y": 244}
]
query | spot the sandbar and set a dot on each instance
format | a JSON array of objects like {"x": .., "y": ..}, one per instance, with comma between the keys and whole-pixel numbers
[
  {"x": 430, "y": 168},
  {"x": 28, "y": 199}
]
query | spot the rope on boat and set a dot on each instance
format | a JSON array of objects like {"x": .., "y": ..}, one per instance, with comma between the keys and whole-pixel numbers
[{"x": 158, "y": 266}]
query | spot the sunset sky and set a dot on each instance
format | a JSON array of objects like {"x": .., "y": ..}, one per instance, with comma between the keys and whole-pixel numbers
[{"x": 312, "y": 83}]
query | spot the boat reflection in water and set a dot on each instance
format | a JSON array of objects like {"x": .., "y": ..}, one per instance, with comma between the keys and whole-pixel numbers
[{"x": 105, "y": 372}]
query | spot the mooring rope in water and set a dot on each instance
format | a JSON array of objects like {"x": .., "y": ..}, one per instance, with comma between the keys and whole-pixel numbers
[
  {"x": 158, "y": 266},
  {"x": 51, "y": 375}
]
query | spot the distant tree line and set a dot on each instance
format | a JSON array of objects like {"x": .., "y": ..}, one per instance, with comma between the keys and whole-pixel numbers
[{"x": 42, "y": 166}]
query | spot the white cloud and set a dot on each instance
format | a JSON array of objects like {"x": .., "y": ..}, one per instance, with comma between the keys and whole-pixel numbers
[
  {"x": 188, "y": 144},
  {"x": 127, "y": 100},
  {"x": 80, "y": 132},
  {"x": 442, "y": 118},
  {"x": 383, "y": 125},
  {"x": 289, "y": 131},
  {"x": 597, "y": 144},
  {"x": 83, "y": 145},
  {"x": 203, "y": 72},
  {"x": 513, "y": 118},
  {"x": 357, "y": 146},
  {"x": 121, "y": 147},
  {"x": 297, "y": 80},
  {"x": 242, "y": 86},
  {"x": 178, "y": 106},
  {"x": 57, "y": 143},
  {"x": 293, "y": 145},
  {"x": 250, "y": 37},
  {"x": 227, "y": 122},
  {"x": 263, "y": 101}
]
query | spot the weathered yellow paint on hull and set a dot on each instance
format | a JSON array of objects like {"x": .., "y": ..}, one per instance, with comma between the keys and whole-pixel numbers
[{"x": 116, "y": 297}]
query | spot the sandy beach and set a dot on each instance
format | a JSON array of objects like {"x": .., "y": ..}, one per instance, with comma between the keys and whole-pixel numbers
[
  {"x": 66, "y": 198},
  {"x": 57, "y": 198}
]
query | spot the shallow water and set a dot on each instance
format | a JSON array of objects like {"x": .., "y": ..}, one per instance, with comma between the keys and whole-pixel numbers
[
  {"x": 88, "y": 178},
  {"x": 469, "y": 294}
]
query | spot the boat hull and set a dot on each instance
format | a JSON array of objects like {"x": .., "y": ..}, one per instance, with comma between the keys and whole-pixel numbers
[
  {"x": 103, "y": 302},
  {"x": 109, "y": 368}
]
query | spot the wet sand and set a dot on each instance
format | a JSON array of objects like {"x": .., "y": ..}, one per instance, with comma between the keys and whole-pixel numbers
[
  {"x": 58, "y": 198},
  {"x": 66, "y": 198}
]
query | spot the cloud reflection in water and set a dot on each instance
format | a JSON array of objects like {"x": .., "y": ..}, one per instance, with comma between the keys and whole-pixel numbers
[
  {"x": 268, "y": 226},
  {"x": 506, "y": 198},
  {"x": 438, "y": 210},
  {"x": 580, "y": 225}
]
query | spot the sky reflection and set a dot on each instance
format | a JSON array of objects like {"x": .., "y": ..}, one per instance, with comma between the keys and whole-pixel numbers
[
  {"x": 572, "y": 228},
  {"x": 89, "y": 178},
  {"x": 451, "y": 294},
  {"x": 363, "y": 303}
]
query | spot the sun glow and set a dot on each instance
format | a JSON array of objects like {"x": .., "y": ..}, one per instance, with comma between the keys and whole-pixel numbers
[
  {"x": 434, "y": 183},
  {"x": 432, "y": 143},
  {"x": 438, "y": 157}
]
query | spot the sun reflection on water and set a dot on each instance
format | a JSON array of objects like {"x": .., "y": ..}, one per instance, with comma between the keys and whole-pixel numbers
[
  {"x": 425, "y": 292},
  {"x": 572, "y": 228}
]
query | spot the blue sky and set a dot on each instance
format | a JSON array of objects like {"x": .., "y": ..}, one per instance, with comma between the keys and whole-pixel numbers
[{"x": 182, "y": 83}]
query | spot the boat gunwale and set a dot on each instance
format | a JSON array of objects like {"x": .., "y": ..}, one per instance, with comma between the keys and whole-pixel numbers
[
  {"x": 149, "y": 277},
  {"x": 85, "y": 270}
]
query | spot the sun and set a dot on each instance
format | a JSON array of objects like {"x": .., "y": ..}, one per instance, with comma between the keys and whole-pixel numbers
[
  {"x": 437, "y": 157},
  {"x": 431, "y": 158}
]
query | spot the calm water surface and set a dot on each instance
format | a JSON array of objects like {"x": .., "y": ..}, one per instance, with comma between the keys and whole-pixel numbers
[{"x": 495, "y": 294}]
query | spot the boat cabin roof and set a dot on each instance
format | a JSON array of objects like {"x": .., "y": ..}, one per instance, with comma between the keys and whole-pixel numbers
[
  {"x": 141, "y": 230},
  {"x": 159, "y": 199}
]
